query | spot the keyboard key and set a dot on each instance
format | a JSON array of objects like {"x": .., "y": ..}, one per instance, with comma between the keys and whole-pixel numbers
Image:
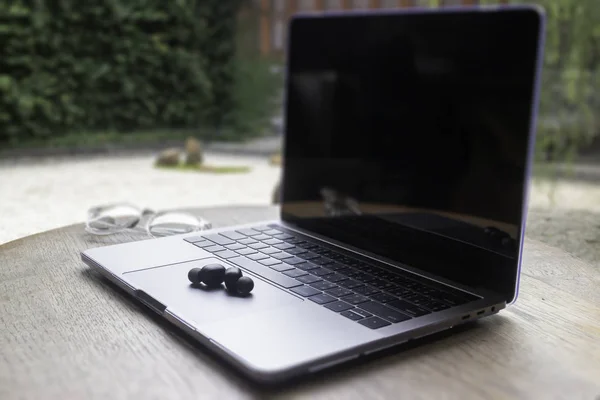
[
  {"x": 350, "y": 283},
  {"x": 219, "y": 239},
  {"x": 248, "y": 232},
  {"x": 349, "y": 272},
  {"x": 261, "y": 237},
  {"x": 383, "y": 297},
  {"x": 417, "y": 299},
  {"x": 319, "y": 250},
  {"x": 281, "y": 255},
  {"x": 235, "y": 246},
  {"x": 193, "y": 239},
  {"x": 271, "y": 232},
  {"x": 435, "y": 305},
  {"x": 323, "y": 285},
  {"x": 355, "y": 299},
  {"x": 431, "y": 292},
  {"x": 382, "y": 311},
  {"x": 351, "y": 315},
  {"x": 453, "y": 300},
  {"x": 364, "y": 277},
  {"x": 408, "y": 308},
  {"x": 295, "y": 241},
  {"x": 309, "y": 255},
  {"x": 226, "y": 254},
  {"x": 281, "y": 267},
  {"x": 439, "y": 307},
  {"x": 339, "y": 292},
  {"x": 272, "y": 242},
  {"x": 353, "y": 263},
  {"x": 214, "y": 248},
  {"x": 270, "y": 250},
  {"x": 247, "y": 241},
  {"x": 419, "y": 288},
  {"x": 294, "y": 260},
  {"x": 335, "y": 277},
  {"x": 308, "y": 279},
  {"x": 265, "y": 272},
  {"x": 362, "y": 313},
  {"x": 294, "y": 273},
  {"x": 320, "y": 271},
  {"x": 233, "y": 235},
  {"x": 382, "y": 284},
  {"x": 284, "y": 246},
  {"x": 258, "y": 245},
  {"x": 204, "y": 243},
  {"x": 338, "y": 306},
  {"x": 401, "y": 292},
  {"x": 306, "y": 266},
  {"x": 382, "y": 274},
  {"x": 400, "y": 280},
  {"x": 283, "y": 236},
  {"x": 261, "y": 228},
  {"x": 245, "y": 251},
  {"x": 270, "y": 261},
  {"x": 336, "y": 266},
  {"x": 296, "y": 250},
  {"x": 305, "y": 291},
  {"x": 257, "y": 256},
  {"x": 322, "y": 298},
  {"x": 321, "y": 261},
  {"x": 366, "y": 290},
  {"x": 373, "y": 322}
]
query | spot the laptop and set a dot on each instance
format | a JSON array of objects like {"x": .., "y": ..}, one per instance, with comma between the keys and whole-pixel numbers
[{"x": 408, "y": 145}]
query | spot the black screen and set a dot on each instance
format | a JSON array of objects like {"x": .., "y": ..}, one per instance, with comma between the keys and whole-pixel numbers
[{"x": 407, "y": 135}]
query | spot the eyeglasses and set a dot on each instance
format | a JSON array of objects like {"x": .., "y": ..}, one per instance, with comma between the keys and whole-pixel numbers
[{"x": 119, "y": 217}]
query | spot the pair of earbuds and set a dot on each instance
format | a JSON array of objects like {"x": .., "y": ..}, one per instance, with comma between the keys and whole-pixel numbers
[{"x": 213, "y": 275}]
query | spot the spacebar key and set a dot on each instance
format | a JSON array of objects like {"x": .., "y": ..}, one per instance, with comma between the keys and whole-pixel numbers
[{"x": 265, "y": 272}]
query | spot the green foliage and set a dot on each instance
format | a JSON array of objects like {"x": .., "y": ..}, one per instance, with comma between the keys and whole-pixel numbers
[
  {"x": 219, "y": 50},
  {"x": 69, "y": 66},
  {"x": 570, "y": 94}
]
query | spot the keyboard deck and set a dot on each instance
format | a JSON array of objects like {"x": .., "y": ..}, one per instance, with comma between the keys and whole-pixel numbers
[{"x": 356, "y": 288}]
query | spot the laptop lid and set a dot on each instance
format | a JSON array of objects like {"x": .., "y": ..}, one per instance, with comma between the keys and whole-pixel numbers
[{"x": 409, "y": 134}]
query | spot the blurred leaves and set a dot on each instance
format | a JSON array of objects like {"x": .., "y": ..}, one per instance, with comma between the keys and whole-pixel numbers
[
  {"x": 115, "y": 65},
  {"x": 570, "y": 95}
]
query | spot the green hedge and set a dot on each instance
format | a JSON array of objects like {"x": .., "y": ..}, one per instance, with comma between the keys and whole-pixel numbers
[{"x": 115, "y": 65}]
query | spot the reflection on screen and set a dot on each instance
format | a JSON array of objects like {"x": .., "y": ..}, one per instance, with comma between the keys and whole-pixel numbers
[{"x": 407, "y": 136}]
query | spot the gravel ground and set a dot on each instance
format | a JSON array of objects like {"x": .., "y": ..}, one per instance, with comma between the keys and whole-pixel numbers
[
  {"x": 566, "y": 214},
  {"x": 37, "y": 195},
  {"x": 575, "y": 231},
  {"x": 42, "y": 194}
]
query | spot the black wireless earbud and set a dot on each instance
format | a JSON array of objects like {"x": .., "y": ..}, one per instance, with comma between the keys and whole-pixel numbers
[
  {"x": 244, "y": 285},
  {"x": 213, "y": 275},
  {"x": 232, "y": 275},
  {"x": 236, "y": 283},
  {"x": 194, "y": 276}
]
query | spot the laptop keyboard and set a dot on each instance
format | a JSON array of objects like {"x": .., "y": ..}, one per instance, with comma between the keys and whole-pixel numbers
[{"x": 356, "y": 289}]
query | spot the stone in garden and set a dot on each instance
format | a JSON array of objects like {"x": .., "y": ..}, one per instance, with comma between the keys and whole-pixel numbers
[
  {"x": 193, "y": 151},
  {"x": 275, "y": 159},
  {"x": 276, "y": 193},
  {"x": 168, "y": 157}
]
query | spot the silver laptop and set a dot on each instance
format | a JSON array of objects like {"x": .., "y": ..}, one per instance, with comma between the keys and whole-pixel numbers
[{"x": 408, "y": 145}]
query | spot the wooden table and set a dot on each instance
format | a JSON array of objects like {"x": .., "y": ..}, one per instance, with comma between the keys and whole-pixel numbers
[{"x": 67, "y": 333}]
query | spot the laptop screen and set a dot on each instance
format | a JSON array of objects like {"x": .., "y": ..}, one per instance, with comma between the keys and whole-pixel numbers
[{"x": 407, "y": 136}]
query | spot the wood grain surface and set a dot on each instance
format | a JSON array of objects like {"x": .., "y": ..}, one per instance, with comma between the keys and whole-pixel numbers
[{"x": 66, "y": 333}]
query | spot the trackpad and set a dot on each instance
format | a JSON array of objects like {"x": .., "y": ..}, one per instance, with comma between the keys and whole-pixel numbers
[{"x": 170, "y": 286}]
